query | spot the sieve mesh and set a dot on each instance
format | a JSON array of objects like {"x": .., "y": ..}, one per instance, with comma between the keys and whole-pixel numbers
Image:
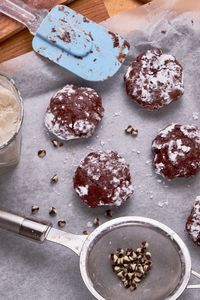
[{"x": 163, "y": 280}]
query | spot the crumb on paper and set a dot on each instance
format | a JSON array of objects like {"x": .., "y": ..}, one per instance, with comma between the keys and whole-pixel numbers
[
  {"x": 163, "y": 203},
  {"x": 195, "y": 115},
  {"x": 90, "y": 148},
  {"x": 117, "y": 114},
  {"x": 89, "y": 224},
  {"x": 56, "y": 192},
  {"x": 148, "y": 175},
  {"x": 136, "y": 151}
]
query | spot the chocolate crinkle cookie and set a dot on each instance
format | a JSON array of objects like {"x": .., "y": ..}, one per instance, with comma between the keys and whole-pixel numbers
[
  {"x": 154, "y": 79},
  {"x": 193, "y": 222},
  {"x": 176, "y": 151},
  {"x": 103, "y": 179},
  {"x": 74, "y": 112}
]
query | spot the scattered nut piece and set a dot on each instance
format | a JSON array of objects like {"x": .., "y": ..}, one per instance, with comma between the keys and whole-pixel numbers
[
  {"x": 85, "y": 232},
  {"x": 145, "y": 245},
  {"x": 54, "y": 179},
  {"x": 34, "y": 209},
  {"x": 42, "y": 153},
  {"x": 52, "y": 211},
  {"x": 61, "y": 223},
  {"x": 55, "y": 143},
  {"x": 109, "y": 213},
  {"x": 96, "y": 221},
  {"x": 131, "y": 130}
]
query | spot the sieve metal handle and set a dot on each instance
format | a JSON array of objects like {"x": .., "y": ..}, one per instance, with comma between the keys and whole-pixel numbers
[
  {"x": 194, "y": 286},
  {"x": 40, "y": 231},
  {"x": 26, "y": 227}
]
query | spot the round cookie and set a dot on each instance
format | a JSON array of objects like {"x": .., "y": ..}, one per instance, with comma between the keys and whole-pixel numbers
[
  {"x": 103, "y": 179},
  {"x": 176, "y": 151},
  {"x": 193, "y": 223},
  {"x": 154, "y": 79},
  {"x": 74, "y": 112}
]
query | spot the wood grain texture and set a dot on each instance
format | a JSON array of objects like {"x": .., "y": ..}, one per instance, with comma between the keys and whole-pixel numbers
[
  {"x": 20, "y": 43},
  {"x": 10, "y": 27},
  {"x": 116, "y": 6}
]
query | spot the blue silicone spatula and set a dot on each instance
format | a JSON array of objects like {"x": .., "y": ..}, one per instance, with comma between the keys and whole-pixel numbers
[{"x": 69, "y": 39}]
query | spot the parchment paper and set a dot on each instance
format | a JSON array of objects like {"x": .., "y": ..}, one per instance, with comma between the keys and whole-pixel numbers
[{"x": 32, "y": 271}]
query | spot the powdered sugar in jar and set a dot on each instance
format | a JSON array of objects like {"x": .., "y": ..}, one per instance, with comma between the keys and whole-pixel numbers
[{"x": 11, "y": 116}]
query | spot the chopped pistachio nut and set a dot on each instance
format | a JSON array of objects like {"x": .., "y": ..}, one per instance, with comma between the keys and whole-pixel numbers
[
  {"x": 42, "y": 153},
  {"x": 54, "y": 179},
  {"x": 61, "y": 223},
  {"x": 34, "y": 209},
  {"x": 96, "y": 221},
  {"x": 55, "y": 143},
  {"x": 109, "y": 213},
  {"x": 85, "y": 232},
  {"x": 131, "y": 266},
  {"x": 52, "y": 211},
  {"x": 131, "y": 130}
]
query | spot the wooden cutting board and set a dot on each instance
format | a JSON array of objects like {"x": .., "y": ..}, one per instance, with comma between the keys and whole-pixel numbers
[
  {"x": 20, "y": 43},
  {"x": 116, "y": 6},
  {"x": 10, "y": 27}
]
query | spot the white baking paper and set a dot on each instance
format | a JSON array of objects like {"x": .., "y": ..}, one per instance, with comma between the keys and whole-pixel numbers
[{"x": 31, "y": 271}]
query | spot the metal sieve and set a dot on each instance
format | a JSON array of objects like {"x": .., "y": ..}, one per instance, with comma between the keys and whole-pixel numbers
[{"x": 171, "y": 270}]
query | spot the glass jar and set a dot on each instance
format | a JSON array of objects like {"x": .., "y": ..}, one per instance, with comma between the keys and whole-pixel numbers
[{"x": 11, "y": 117}]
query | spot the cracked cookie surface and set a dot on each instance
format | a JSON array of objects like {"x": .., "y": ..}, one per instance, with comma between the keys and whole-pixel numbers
[
  {"x": 74, "y": 112},
  {"x": 154, "y": 79},
  {"x": 193, "y": 222},
  {"x": 176, "y": 151},
  {"x": 103, "y": 179}
]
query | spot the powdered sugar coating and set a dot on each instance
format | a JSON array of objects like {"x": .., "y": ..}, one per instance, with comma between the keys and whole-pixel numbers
[
  {"x": 74, "y": 112},
  {"x": 106, "y": 178},
  {"x": 154, "y": 79},
  {"x": 176, "y": 151},
  {"x": 193, "y": 222}
]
